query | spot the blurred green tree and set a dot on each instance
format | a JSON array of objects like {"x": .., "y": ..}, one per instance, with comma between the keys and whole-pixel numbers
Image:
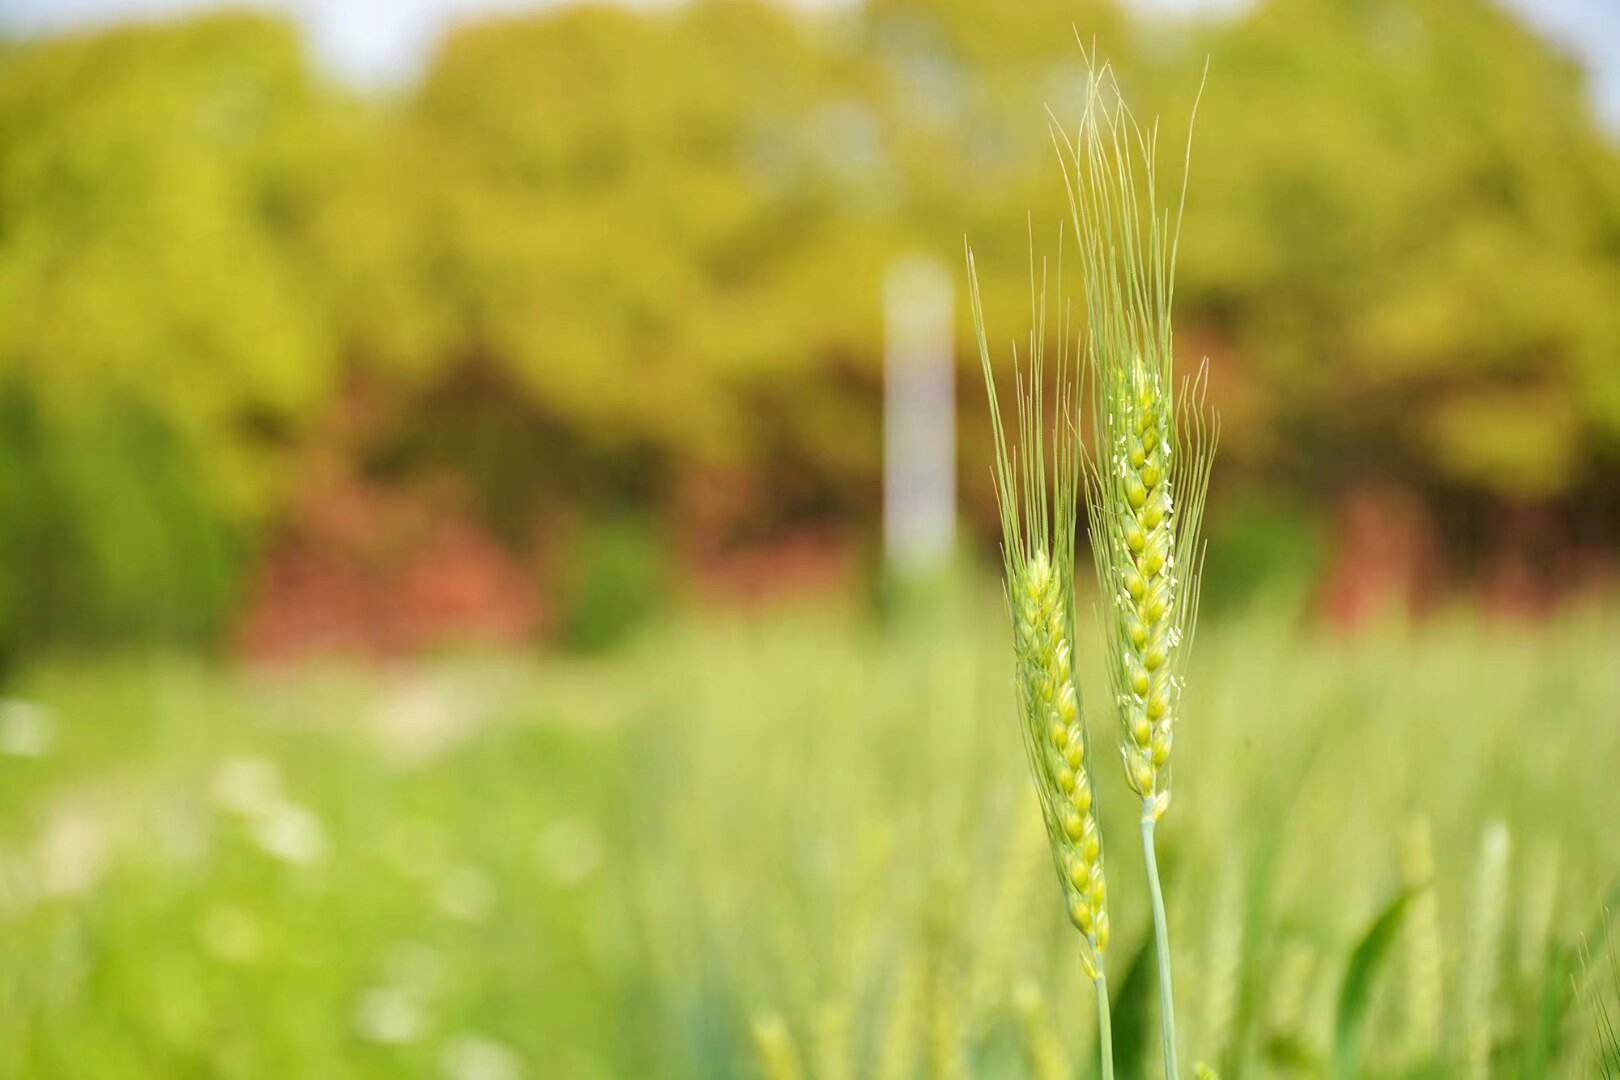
[
  {"x": 1407, "y": 226},
  {"x": 159, "y": 347},
  {"x": 605, "y": 262}
]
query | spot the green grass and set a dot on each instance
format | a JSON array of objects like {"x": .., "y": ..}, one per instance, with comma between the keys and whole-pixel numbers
[{"x": 553, "y": 867}]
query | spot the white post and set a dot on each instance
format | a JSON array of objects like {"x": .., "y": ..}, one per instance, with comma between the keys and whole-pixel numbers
[{"x": 919, "y": 417}]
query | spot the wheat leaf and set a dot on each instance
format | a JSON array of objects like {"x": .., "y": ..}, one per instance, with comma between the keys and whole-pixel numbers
[{"x": 1355, "y": 992}]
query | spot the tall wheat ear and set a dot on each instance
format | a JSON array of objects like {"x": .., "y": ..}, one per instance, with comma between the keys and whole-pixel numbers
[
  {"x": 1037, "y": 479},
  {"x": 1148, "y": 471}
]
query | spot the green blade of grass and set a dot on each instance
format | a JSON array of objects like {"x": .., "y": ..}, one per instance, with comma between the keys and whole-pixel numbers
[
  {"x": 1355, "y": 992},
  {"x": 1132, "y": 1008},
  {"x": 1558, "y": 993}
]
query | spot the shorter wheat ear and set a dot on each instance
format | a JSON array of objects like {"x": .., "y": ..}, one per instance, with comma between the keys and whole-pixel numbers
[{"x": 1037, "y": 479}]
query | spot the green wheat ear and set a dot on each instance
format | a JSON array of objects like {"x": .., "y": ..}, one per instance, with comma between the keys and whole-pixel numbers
[
  {"x": 1148, "y": 471},
  {"x": 1037, "y": 478}
]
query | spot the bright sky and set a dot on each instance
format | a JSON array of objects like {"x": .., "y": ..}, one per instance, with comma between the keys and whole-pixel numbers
[
  {"x": 369, "y": 41},
  {"x": 388, "y": 41}
]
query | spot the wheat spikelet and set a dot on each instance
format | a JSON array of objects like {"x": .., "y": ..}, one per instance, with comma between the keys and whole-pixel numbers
[
  {"x": 1424, "y": 996},
  {"x": 1052, "y": 703},
  {"x": 1038, "y": 534},
  {"x": 1485, "y": 947}
]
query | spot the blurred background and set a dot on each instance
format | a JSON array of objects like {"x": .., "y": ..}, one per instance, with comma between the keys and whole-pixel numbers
[{"x": 499, "y": 558}]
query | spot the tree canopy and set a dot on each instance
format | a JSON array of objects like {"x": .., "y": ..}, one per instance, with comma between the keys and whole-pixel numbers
[{"x": 602, "y": 257}]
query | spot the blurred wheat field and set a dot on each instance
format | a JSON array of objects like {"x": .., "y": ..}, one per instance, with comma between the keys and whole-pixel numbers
[{"x": 806, "y": 829}]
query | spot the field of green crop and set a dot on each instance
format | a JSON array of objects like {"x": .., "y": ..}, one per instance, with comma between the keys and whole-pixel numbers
[{"x": 804, "y": 836}]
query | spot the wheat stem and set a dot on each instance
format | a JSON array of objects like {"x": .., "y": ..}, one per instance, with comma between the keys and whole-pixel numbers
[
  {"x": 1161, "y": 942},
  {"x": 1105, "y": 1027}
]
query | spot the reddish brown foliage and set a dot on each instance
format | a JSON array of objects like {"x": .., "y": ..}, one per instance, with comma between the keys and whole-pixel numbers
[{"x": 361, "y": 569}]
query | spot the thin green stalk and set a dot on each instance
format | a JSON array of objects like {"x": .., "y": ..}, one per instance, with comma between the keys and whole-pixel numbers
[
  {"x": 1105, "y": 1028},
  {"x": 1161, "y": 944}
]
